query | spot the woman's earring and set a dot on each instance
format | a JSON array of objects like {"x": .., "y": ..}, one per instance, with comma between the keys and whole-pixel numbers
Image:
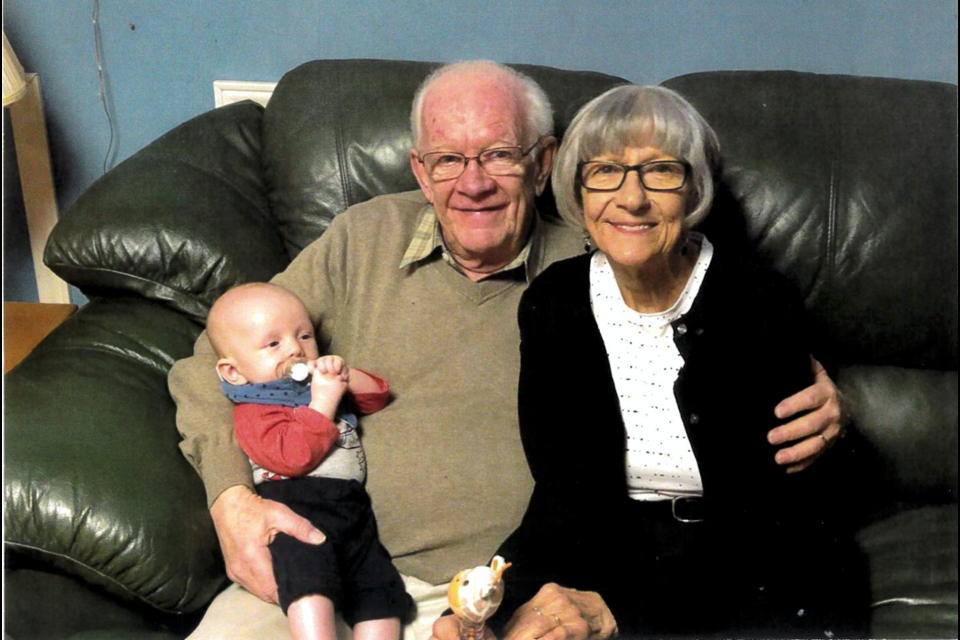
[{"x": 586, "y": 242}]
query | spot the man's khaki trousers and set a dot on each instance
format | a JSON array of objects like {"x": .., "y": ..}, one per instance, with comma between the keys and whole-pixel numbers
[{"x": 235, "y": 614}]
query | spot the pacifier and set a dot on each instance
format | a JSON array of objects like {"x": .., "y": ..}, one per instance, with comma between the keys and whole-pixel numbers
[{"x": 295, "y": 369}]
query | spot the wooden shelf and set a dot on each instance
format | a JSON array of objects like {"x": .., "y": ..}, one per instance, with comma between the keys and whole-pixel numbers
[{"x": 26, "y": 324}]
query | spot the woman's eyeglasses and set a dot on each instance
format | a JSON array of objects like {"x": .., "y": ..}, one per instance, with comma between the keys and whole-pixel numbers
[{"x": 658, "y": 175}]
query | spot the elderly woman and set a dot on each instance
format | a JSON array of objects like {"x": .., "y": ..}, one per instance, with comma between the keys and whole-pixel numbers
[{"x": 650, "y": 372}]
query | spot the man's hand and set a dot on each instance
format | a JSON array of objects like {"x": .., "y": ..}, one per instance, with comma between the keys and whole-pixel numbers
[
  {"x": 558, "y": 613},
  {"x": 813, "y": 432},
  {"x": 246, "y": 524}
]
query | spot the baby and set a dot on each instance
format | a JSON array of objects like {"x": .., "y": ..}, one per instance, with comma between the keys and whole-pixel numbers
[{"x": 306, "y": 454}]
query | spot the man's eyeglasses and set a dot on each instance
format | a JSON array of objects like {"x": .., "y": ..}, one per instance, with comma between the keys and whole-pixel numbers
[
  {"x": 449, "y": 165},
  {"x": 658, "y": 175}
]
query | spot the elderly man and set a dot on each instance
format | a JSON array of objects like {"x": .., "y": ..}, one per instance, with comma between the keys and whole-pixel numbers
[{"x": 423, "y": 288}]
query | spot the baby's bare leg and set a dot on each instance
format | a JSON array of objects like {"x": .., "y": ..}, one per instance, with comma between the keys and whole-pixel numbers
[
  {"x": 381, "y": 629},
  {"x": 312, "y": 618}
]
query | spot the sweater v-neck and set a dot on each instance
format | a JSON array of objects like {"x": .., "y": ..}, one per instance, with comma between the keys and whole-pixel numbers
[{"x": 478, "y": 292}]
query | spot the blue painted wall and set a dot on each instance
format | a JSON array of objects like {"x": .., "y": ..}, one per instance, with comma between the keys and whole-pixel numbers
[{"x": 162, "y": 56}]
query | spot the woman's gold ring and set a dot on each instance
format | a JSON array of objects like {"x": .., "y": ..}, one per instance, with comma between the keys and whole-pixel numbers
[
  {"x": 824, "y": 438},
  {"x": 559, "y": 621}
]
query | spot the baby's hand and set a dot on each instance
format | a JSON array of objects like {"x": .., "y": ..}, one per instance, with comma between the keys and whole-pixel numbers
[
  {"x": 332, "y": 365},
  {"x": 329, "y": 383}
]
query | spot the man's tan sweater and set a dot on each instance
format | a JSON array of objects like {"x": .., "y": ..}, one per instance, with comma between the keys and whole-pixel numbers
[{"x": 447, "y": 474}]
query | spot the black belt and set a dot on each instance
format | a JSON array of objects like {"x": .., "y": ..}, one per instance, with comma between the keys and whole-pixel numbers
[
  {"x": 685, "y": 509},
  {"x": 689, "y": 509}
]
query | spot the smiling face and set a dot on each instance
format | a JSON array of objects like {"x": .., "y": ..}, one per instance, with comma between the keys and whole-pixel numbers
[
  {"x": 485, "y": 219},
  {"x": 257, "y": 328},
  {"x": 638, "y": 230}
]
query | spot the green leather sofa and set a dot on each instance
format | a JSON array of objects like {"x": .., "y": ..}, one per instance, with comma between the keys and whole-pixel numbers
[{"x": 846, "y": 184}]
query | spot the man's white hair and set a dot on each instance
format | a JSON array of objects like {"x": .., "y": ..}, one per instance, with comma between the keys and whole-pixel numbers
[{"x": 534, "y": 104}]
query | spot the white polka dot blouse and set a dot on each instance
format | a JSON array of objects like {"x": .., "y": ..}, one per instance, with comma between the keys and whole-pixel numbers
[{"x": 645, "y": 364}]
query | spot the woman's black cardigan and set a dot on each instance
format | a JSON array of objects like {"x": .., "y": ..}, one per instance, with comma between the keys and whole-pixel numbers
[{"x": 745, "y": 349}]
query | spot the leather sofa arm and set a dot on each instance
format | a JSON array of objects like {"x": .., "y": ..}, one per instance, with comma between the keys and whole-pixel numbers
[
  {"x": 95, "y": 484},
  {"x": 180, "y": 221},
  {"x": 909, "y": 418}
]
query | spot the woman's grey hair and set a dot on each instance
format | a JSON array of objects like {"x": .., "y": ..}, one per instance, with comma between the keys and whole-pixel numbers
[
  {"x": 534, "y": 103},
  {"x": 635, "y": 116}
]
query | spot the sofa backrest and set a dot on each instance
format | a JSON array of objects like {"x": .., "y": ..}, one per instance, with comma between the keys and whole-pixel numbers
[
  {"x": 234, "y": 194},
  {"x": 849, "y": 186},
  {"x": 846, "y": 184}
]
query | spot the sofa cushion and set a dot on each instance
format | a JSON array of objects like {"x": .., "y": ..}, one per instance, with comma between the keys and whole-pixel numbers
[
  {"x": 180, "y": 221},
  {"x": 80, "y": 607},
  {"x": 908, "y": 417},
  {"x": 913, "y": 573},
  {"x": 94, "y": 481}
]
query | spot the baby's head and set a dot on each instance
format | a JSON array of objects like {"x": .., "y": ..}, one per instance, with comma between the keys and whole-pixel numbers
[{"x": 257, "y": 327}]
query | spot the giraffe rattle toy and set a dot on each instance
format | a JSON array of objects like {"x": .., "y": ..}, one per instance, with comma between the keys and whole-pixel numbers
[{"x": 475, "y": 594}]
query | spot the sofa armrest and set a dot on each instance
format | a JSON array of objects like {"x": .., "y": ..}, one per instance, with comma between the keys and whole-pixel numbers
[
  {"x": 908, "y": 417},
  {"x": 180, "y": 221},
  {"x": 913, "y": 572},
  {"x": 95, "y": 483}
]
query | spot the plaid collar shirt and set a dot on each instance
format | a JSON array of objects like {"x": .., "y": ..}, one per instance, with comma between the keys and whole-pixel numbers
[{"x": 428, "y": 242}]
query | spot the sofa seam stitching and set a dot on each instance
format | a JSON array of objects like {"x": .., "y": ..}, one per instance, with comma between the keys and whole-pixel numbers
[
  {"x": 133, "y": 595},
  {"x": 832, "y": 210},
  {"x": 116, "y": 352},
  {"x": 338, "y": 138},
  {"x": 165, "y": 287}
]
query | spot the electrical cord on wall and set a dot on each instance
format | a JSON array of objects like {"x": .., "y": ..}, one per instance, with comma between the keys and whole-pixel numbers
[{"x": 101, "y": 75}]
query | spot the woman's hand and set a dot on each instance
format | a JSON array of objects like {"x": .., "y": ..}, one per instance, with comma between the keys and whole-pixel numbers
[
  {"x": 813, "y": 432},
  {"x": 558, "y": 613}
]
